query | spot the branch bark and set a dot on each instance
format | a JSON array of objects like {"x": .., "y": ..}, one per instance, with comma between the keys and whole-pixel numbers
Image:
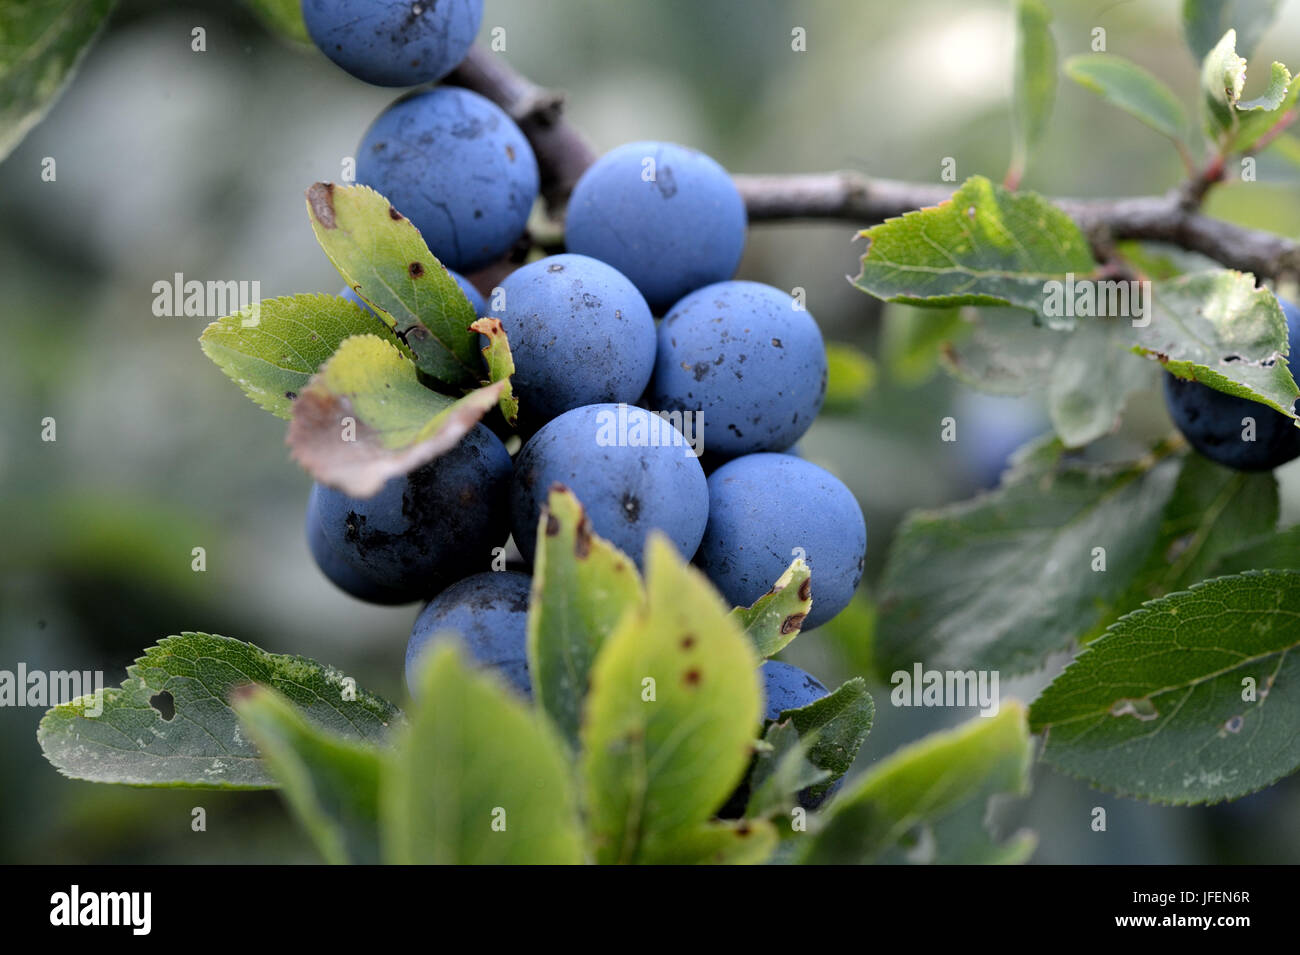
[{"x": 563, "y": 154}]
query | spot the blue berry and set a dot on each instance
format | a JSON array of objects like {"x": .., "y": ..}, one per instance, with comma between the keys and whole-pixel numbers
[
  {"x": 680, "y": 230},
  {"x": 580, "y": 334},
  {"x": 1213, "y": 424},
  {"x": 458, "y": 167},
  {"x": 767, "y": 509},
  {"x": 631, "y": 469},
  {"x": 422, "y": 531},
  {"x": 786, "y": 687},
  {"x": 743, "y": 357},
  {"x": 394, "y": 42},
  {"x": 489, "y": 611}
]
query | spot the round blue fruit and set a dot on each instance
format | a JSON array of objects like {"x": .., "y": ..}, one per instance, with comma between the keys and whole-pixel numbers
[
  {"x": 786, "y": 687},
  {"x": 747, "y": 361},
  {"x": 667, "y": 217},
  {"x": 1214, "y": 422},
  {"x": 394, "y": 42},
  {"x": 422, "y": 531},
  {"x": 489, "y": 612},
  {"x": 458, "y": 167},
  {"x": 580, "y": 334},
  {"x": 767, "y": 509},
  {"x": 471, "y": 293},
  {"x": 632, "y": 471}
]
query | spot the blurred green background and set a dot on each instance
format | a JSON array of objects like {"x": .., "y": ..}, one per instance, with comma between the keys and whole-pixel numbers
[{"x": 174, "y": 161}]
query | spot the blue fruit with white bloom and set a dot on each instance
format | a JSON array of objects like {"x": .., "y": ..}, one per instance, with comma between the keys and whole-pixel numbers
[
  {"x": 422, "y": 531},
  {"x": 394, "y": 42},
  {"x": 632, "y": 471},
  {"x": 580, "y": 334},
  {"x": 1218, "y": 425},
  {"x": 489, "y": 612},
  {"x": 747, "y": 360},
  {"x": 458, "y": 167},
  {"x": 767, "y": 509},
  {"x": 786, "y": 687},
  {"x": 667, "y": 217}
]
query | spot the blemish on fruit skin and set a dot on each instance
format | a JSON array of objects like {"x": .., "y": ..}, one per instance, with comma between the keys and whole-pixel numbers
[
  {"x": 321, "y": 199},
  {"x": 792, "y": 623}
]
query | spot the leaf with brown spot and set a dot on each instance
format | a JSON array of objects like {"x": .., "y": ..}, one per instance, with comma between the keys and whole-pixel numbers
[
  {"x": 576, "y": 604},
  {"x": 500, "y": 364},
  {"x": 718, "y": 842},
  {"x": 647, "y": 799},
  {"x": 773, "y": 621},
  {"x": 273, "y": 347},
  {"x": 365, "y": 418},
  {"x": 385, "y": 260}
]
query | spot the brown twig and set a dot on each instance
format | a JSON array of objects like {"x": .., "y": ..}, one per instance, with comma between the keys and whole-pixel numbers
[{"x": 563, "y": 154}]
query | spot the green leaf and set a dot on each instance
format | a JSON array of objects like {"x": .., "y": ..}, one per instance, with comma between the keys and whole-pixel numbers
[
  {"x": 914, "y": 338},
  {"x": 1004, "y": 580},
  {"x": 1286, "y": 146},
  {"x": 383, "y": 258},
  {"x": 781, "y": 771},
  {"x": 1274, "y": 96},
  {"x": 670, "y": 716},
  {"x": 902, "y": 804},
  {"x": 201, "y": 744},
  {"x": 1213, "y": 511},
  {"x": 1219, "y": 329},
  {"x": 1128, "y": 86},
  {"x": 1092, "y": 379},
  {"x": 1003, "y": 351},
  {"x": 365, "y": 417},
  {"x": 41, "y": 46},
  {"x": 1254, "y": 125},
  {"x": 773, "y": 620},
  {"x": 850, "y": 375},
  {"x": 718, "y": 842},
  {"x": 1205, "y": 22},
  {"x": 1223, "y": 79},
  {"x": 984, "y": 246},
  {"x": 283, "y": 17},
  {"x": 500, "y": 365},
  {"x": 1034, "y": 85},
  {"x": 1190, "y": 699},
  {"x": 330, "y": 783},
  {"x": 480, "y": 778},
  {"x": 582, "y": 587},
  {"x": 834, "y": 729},
  {"x": 1280, "y": 551},
  {"x": 272, "y": 348}
]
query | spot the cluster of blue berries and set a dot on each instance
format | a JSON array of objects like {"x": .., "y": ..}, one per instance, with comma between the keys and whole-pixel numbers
[{"x": 616, "y": 404}]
